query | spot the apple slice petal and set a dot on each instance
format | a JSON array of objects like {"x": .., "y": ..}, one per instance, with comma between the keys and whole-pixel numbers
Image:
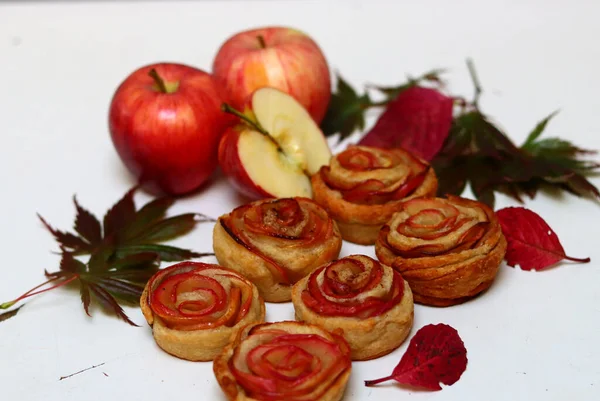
[
  {"x": 268, "y": 168},
  {"x": 292, "y": 127}
]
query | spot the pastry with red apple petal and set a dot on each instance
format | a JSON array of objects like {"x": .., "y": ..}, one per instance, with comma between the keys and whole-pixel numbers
[
  {"x": 284, "y": 361},
  {"x": 276, "y": 242},
  {"x": 365, "y": 301},
  {"x": 195, "y": 308},
  {"x": 363, "y": 186},
  {"x": 448, "y": 249}
]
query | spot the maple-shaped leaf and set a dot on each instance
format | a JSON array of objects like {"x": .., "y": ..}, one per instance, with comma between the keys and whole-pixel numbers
[
  {"x": 345, "y": 113},
  {"x": 124, "y": 228},
  {"x": 7, "y": 315},
  {"x": 436, "y": 354},
  {"x": 392, "y": 92},
  {"x": 123, "y": 252},
  {"x": 532, "y": 244},
  {"x": 418, "y": 120}
]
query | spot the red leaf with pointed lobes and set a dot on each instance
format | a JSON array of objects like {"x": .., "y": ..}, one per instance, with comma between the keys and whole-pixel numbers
[
  {"x": 418, "y": 120},
  {"x": 532, "y": 244},
  {"x": 436, "y": 354}
]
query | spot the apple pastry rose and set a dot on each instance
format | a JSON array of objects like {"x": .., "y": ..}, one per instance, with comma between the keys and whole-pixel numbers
[
  {"x": 365, "y": 301},
  {"x": 363, "y": 186},
  {"x": 195, "y": 308},
  {"x": 448, "y": 249},
  {"x": 284, "y": 361},
  {"x": 276, "y": 242}
]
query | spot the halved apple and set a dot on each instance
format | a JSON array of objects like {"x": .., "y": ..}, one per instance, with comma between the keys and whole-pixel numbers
[{"x": 274, "y": 149}]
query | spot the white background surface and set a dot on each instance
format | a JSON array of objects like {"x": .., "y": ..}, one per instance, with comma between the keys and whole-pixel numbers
[{"x": 533, "y": 336}]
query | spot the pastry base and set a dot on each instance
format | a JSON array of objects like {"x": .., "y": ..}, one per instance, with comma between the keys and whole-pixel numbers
[
  {"x": 368, "y": 338},
  {"x": 234, "y": 392}
]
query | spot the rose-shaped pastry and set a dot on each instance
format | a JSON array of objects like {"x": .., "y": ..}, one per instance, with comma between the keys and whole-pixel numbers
[
  {"x": 284, "y": 361},
  {"x": 195, "y": 308},
  {"x": 276, "y": 242},
  {"x": 448, "y": 249},
  {"x": 365, "y": 301},
  {"x": 363, "y": 186}
]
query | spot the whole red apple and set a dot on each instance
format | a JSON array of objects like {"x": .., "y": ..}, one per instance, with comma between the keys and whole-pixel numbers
[
  {"x": 165, "y": 122},
  {"x": 279, "y": 57}
]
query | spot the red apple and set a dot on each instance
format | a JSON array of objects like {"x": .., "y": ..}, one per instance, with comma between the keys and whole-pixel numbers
[
  {"x": 274, "y": 149},
  {"x": 279, "y": 57},
  {"x": 165, "y": 122}
]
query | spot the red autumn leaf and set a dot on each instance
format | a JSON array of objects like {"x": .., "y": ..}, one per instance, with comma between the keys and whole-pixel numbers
[
  {"x": 532, "y": 244},
  {"x": 435, "y": 354},
  {"x": 418, "y": 120}
]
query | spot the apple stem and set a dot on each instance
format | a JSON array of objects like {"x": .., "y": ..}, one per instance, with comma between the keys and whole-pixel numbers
[
  {"x": 228, "y": 109},
  {"x": 261, "y": 42},
  {"x": 158, "y": 81}
]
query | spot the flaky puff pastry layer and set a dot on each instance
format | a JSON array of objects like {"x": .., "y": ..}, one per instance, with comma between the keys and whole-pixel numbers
[
  {"x": 363, "y": 186},
  {"x": 448, "y": 249},
  {"x": 284, "y": 361},
  {"x": 194, "y": 308},
  {"x": 275, "y": 242},
  {"x": 365, "y": 301}
]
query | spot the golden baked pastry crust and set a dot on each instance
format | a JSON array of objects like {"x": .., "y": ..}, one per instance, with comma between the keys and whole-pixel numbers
[
  {"x": 363, "y": 186},
  {"x": 449, "y": 250},
  {"x": 329, "y": 385},
  {"x": 199, "y": 338},
  {"x": 372, "y": 309},
  {"x": 275, "y": 242}
]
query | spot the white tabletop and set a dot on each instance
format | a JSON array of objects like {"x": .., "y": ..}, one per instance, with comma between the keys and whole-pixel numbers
[{"x": 532, "y": 336}]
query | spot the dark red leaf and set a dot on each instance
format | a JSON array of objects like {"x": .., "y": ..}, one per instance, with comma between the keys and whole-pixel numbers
[
  {"x": 68, "y": 263},
  {"x": 85, "y": 296},
  {"x": 121, "y": 214},
  {"x": 66, "y": 239},
  {"x": 87, "y": 225},
  {"x": 436, "y": 354},
  {"x": 418, "y": 120},
  {"x": 7, "y": 315},
  {"x": 109, "y": 303},
  {"x": 532, "y": 244}
]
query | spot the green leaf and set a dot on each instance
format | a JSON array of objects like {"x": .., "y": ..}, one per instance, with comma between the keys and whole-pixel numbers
[
  {"x": 87, "y": 225},
  {"x": 539, "y": 128},
  {"x": 143, "y": 260},
  {"x": 166, "y": 253},
  {"x": 345, "y": 113},
  {"x": 167, "y": 229}
]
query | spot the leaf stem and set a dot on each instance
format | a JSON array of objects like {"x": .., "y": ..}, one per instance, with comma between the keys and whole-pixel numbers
[
  {"x": 476, "y": 83},
  {"x": 261, "y": 42},
  {"x": 580, "y": 260},
  {"x": 158, "y": 81},
  {"x": 370, "y": 383},
  {"x": 33, "y": 291}
]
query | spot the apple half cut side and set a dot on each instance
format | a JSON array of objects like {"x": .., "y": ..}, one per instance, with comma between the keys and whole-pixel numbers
[{"x": 275, "y": 153}]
